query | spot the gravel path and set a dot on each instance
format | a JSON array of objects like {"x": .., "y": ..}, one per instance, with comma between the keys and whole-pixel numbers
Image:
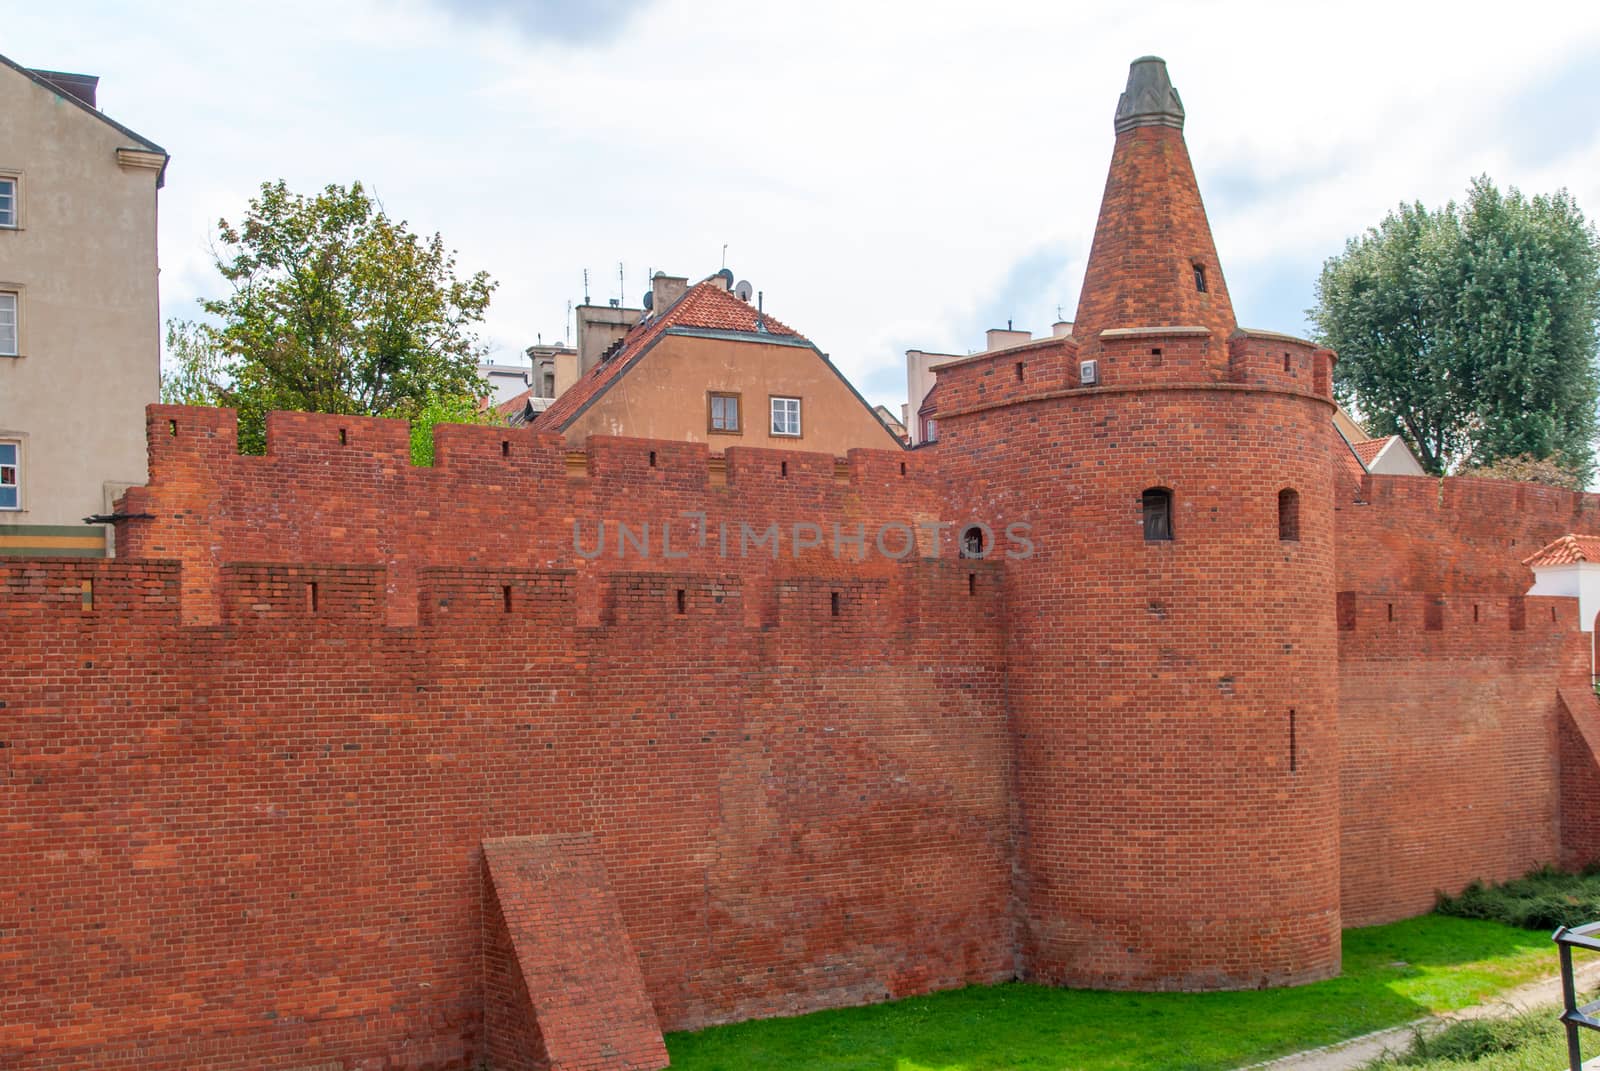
[{"x": 1357, "y": 1052}]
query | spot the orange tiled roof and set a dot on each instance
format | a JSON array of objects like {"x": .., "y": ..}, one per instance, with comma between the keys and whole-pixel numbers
[
  {"x": 705, "y": 305},
  {"x": 1352, "y": 465},
  {"x": 1369, "y": 449},
  {"x": 1567, "y": 550}
]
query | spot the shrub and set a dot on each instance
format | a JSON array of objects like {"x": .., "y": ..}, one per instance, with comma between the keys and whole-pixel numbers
[{"x": 1540, "y": 900}]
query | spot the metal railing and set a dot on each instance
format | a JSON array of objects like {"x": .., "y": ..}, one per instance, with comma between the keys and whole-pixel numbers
[{"x": 1574, "y": 1015}]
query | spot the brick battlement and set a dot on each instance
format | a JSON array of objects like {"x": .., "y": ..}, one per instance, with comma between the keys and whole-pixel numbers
[
  {"x": 334, "y": 447},
  {"x": 271, "y": 595},
  {"x": 1468, "y": 617}
]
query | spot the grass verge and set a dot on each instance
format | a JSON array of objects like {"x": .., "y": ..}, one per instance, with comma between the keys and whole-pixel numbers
[
  {"x": 1533, "y": 1041},
  {"x": 1392, "y": 975}
]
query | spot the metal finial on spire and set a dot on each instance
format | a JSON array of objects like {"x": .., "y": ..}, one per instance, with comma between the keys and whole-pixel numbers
[{"x": 1149, "y": 99}]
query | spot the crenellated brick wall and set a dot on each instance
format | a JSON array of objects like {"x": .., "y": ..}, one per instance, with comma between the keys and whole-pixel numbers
[{"x": 254, "y": 805}]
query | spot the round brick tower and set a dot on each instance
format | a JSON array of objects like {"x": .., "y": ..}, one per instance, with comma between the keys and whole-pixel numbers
[{"x": 1172, "y": 659}]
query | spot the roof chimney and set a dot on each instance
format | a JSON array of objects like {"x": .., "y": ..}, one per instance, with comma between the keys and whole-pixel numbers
[
  {"x": 999, "y": 338},
  {"x": 664, "y": 290},
  {"x": 80, "y": 87},
  {"x": 1149, "y": 99}
]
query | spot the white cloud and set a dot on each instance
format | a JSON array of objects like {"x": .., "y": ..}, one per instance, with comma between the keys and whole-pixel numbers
[{"x": 880, "y": 170}]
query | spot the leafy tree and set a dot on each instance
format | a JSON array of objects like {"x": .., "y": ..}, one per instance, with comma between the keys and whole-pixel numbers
[
  {"x": 1528, "y": 469},
  {"x": 334, "y": 308},
  {"x": 1471, "y": 331},
  {"x": 444, "y": 409}
]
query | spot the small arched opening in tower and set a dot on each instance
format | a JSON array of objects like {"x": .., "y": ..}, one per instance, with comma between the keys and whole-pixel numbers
[
  {"x": 974, "y": 543},
  {"x": 1157, "y": 503},
  {"x": 1289, "y": 515},
  {"x": 1200, "y": 277}
]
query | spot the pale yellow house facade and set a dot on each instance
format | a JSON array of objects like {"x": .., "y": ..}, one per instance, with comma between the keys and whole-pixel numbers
[{"x": 80, "y": 326}]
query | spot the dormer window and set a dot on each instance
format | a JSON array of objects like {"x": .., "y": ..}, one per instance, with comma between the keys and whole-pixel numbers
[{"x": 1200, "y": 278}]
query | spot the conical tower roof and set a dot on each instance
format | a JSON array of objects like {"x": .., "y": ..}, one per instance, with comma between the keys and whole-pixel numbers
[{"x": 1153, "y": 262}]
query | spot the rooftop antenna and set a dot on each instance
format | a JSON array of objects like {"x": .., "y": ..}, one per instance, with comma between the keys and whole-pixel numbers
[
  {"x": 566, "y": 325},
  {"x": 1008, "y": 323},
  {"x": 1058, "y": 311},
  {"x": 622, "y": 285},
  {"x": 724, "y": 254},
  {"x": 586, "y": 286}
]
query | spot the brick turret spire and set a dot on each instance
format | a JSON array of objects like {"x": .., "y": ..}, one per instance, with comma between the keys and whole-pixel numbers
[{"x": 1153, "y": 263}]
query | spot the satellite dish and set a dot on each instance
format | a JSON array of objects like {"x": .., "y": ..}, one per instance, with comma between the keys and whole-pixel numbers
[
  {"x": 744, "y": 291},
  {"x": 649, "y": 300},
  {"x": 727, "y": 274}
]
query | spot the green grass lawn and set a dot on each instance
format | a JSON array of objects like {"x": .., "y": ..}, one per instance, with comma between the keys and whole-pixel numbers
[{"x": 1392, "y": 974}]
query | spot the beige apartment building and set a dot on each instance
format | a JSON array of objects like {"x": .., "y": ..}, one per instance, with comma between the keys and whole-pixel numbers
[
  {"x": 80, "y": 326},
  {"x": 705, "y": 363}
]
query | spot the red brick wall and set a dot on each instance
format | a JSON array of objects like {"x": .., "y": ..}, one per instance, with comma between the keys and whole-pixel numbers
[
  {"x": 1449, "y": 767},
  {"x": 245, "y": 793},
  {"x": 1455, "y": 763},
  {"x": 253, "y": 842},
  {"x": 1579, "y": 734}
]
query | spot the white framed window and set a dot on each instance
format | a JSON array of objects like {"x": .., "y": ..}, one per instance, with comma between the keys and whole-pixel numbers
[
  {"x": 10, "y": 474},
  {"x": 786, "y": 417},
  {"x": 10, "y": 209},
  {"x": 9, "y": 324}
]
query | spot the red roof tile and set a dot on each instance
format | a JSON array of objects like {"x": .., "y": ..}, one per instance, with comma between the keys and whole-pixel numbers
[
  {"x": 1369, "y": 449},
  {"x": 1568, "y": 550},
  {"x": 705, "y": 305}
]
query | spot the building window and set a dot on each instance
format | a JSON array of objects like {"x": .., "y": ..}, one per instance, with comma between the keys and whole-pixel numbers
[
  {"x": 786, "y": 417},
  {"x": 722, "y": 413},
  {"x": 10, "y": 474},
  {"x": 1200, "y": 278},
  {"x": 8, "y": 201},
  {"x": 548, "y": 386},
  {"x": 9, "y": 333},
  {"x": 1157, "y": 515},
  {"x": 1289, "y": 515},
  {"x": 930, "y": 430}
]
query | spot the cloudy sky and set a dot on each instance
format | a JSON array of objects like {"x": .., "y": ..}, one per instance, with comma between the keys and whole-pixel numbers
[{"x": 891, "y": 174}]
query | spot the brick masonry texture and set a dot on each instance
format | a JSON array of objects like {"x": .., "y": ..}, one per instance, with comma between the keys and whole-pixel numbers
[
  {"x": 348, "y": 765},
  {"x": 572, "y": 957}
]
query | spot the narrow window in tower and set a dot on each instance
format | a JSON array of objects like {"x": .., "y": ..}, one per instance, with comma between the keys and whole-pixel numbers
[
  {"x": 1200, "y": 278},
  {"x": 1157, "y": 503},
  {"x": 1019, "y": 371},
  {"x": 1289, "y": 515},
  {"x": 683, "y": 601},
  {"x": 833, "y": 602}
]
